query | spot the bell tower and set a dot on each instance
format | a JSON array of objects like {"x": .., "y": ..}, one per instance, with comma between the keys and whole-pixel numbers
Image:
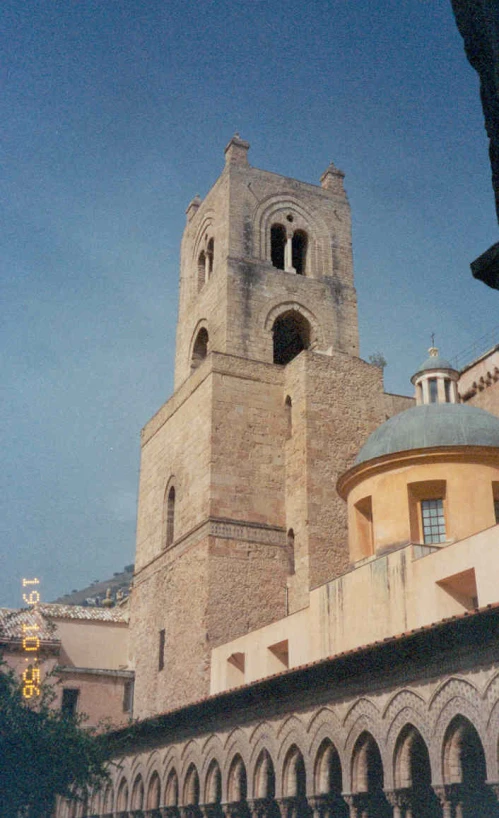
[
  {"x": 238, "y": 515},
  {"x": 266, "y": 268}
]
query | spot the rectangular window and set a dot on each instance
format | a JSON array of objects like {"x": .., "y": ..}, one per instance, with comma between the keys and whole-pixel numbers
[
  {"x": 432, "y": 512},
  {"x": 364, "y": 525},
  {"x": 433, "y": 389},
  {"x": 161, "y": 657},
  {"x": 447, "y": 390},
  {"x": 496, "y": 509},
  {"x": 69, "y": 701},
  {"x": 128, "y": 696}
]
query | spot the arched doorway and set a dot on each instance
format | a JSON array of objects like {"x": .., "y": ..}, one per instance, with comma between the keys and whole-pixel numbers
[{"x": 291, "y": 335}]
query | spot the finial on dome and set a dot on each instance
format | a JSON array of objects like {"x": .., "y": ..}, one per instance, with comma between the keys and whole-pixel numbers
[{"x": 108, "y": 602}]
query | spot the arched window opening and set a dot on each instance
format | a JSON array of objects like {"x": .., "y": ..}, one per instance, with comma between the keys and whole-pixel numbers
[
  {"x": 200, "y": 348},
  {"x": 201, "y": 269},
  {"x": 213, "y": 793},
  {"x": 291, "y": 550},
  {"x": 264, "y": 776},
  {"x": 107, "y": 801},
  {"x": 328, "y": 777},
  {"x": 367, "y": 775},
  {"x": 277, "y": 245},
  {"x": 154, "y": 792},
  {"x": 191, "y": 788},
  {"x": 412, "y": 772},
  {"x": 299, "y": 251},
  {"x": 291, "y": 335},
  {"x": 288, "y": 408},
  {"x": 464, "y": 767},
  {"x": 122, "y": 797},
  {"x": 170, "y": 516},
  {"x": 238, "y": 784},
  {"x": 294, "y": 779},
  {"x": 210, "y": 255},
  {"x": 171, "y": 789},
  {"x": 464, "y": 759},
  {"x": 137, "y": 801}
]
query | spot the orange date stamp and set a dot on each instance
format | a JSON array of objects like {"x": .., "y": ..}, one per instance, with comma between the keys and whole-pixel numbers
[{"x": 31, "y": 646}]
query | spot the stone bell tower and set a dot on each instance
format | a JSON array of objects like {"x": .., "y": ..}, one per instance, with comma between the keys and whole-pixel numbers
[
  {"x": 238, "y": 515},
  {"x": 259, "y": 249}
]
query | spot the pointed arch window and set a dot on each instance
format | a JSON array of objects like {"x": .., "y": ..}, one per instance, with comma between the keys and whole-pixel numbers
[
  {"x": 170, "y": 516},
  {"x": 201, "y": 269},
  {"x": 200, "y": 348},
  {"x": 299, "y": 251},
  {"x": 277, "y": 245},
  {"x": 210, "y": 255}
]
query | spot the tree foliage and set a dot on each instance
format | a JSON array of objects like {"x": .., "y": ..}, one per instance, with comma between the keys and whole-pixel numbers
[{"x": 43, "y": 752}]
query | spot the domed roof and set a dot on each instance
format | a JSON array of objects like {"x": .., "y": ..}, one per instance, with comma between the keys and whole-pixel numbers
[
  {"x": 435, "y": 362},
  {"x": 430, "y": 425}
]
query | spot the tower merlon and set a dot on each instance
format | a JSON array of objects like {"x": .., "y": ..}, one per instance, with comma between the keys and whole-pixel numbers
[{"x": 236, "y": 152}]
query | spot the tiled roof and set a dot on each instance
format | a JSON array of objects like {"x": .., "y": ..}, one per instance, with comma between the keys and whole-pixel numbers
[
  {"x": 54, "y": 610},
  {"x": 252, "y": 689},
  {"x": 12, "y": 621}
]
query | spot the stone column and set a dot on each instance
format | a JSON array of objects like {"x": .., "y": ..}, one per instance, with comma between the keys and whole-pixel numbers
[
  {"x": 288, "y": 255},
  {"x": 395, "y": 801},
  {"x": 494, "y": 786}
]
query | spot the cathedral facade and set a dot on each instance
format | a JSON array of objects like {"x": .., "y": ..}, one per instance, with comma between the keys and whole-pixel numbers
[{"x": 315, "y": 609}]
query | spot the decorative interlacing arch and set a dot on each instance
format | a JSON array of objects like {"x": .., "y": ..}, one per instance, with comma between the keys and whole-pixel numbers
[{"x": 399, "y": 725}]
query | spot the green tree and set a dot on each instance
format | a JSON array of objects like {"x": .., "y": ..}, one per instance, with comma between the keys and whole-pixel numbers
[{"x": 43, "y": 752}]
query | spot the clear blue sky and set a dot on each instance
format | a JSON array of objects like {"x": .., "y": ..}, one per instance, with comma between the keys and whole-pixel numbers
[{"x": 115, "y": 113}]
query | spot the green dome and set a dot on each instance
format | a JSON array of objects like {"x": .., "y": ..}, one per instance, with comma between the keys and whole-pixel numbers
[{"x": 432, "y": 425}]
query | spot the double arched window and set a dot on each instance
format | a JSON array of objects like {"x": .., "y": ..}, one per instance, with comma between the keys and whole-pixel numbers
[
  {"x": 288, "y": 248},
  {"x": 205, "y": 261}
]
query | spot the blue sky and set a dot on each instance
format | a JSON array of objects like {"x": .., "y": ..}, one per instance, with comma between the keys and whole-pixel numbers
[{"x": 115, "y": 114}]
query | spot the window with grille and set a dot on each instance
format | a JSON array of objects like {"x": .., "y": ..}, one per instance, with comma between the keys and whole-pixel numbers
[{"x": 433, "y": 520}]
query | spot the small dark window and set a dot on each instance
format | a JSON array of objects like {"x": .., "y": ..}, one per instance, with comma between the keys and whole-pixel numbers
[
  {"x": 201, "y": 270},
  {"x": 69, "y": 701},
  {"x": 277, "y": 245},
  {"x": 291, "y": 550},
  {"x": 200, "y": 348},
  {"x": 128, "y": 696},
  {"x": 433, "y": 521},
  {"x": 210, "y": 254},
  {"x": 299, "y": 251},
  {"x": 447, "y": 390},
  {"x": 170, "y": 516},
  {"x": 161, "y": 655},
  {"x": 496, "y": 509},
  {"x": 433, "y": 389},
  {"x": 288, "y": 405}
]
